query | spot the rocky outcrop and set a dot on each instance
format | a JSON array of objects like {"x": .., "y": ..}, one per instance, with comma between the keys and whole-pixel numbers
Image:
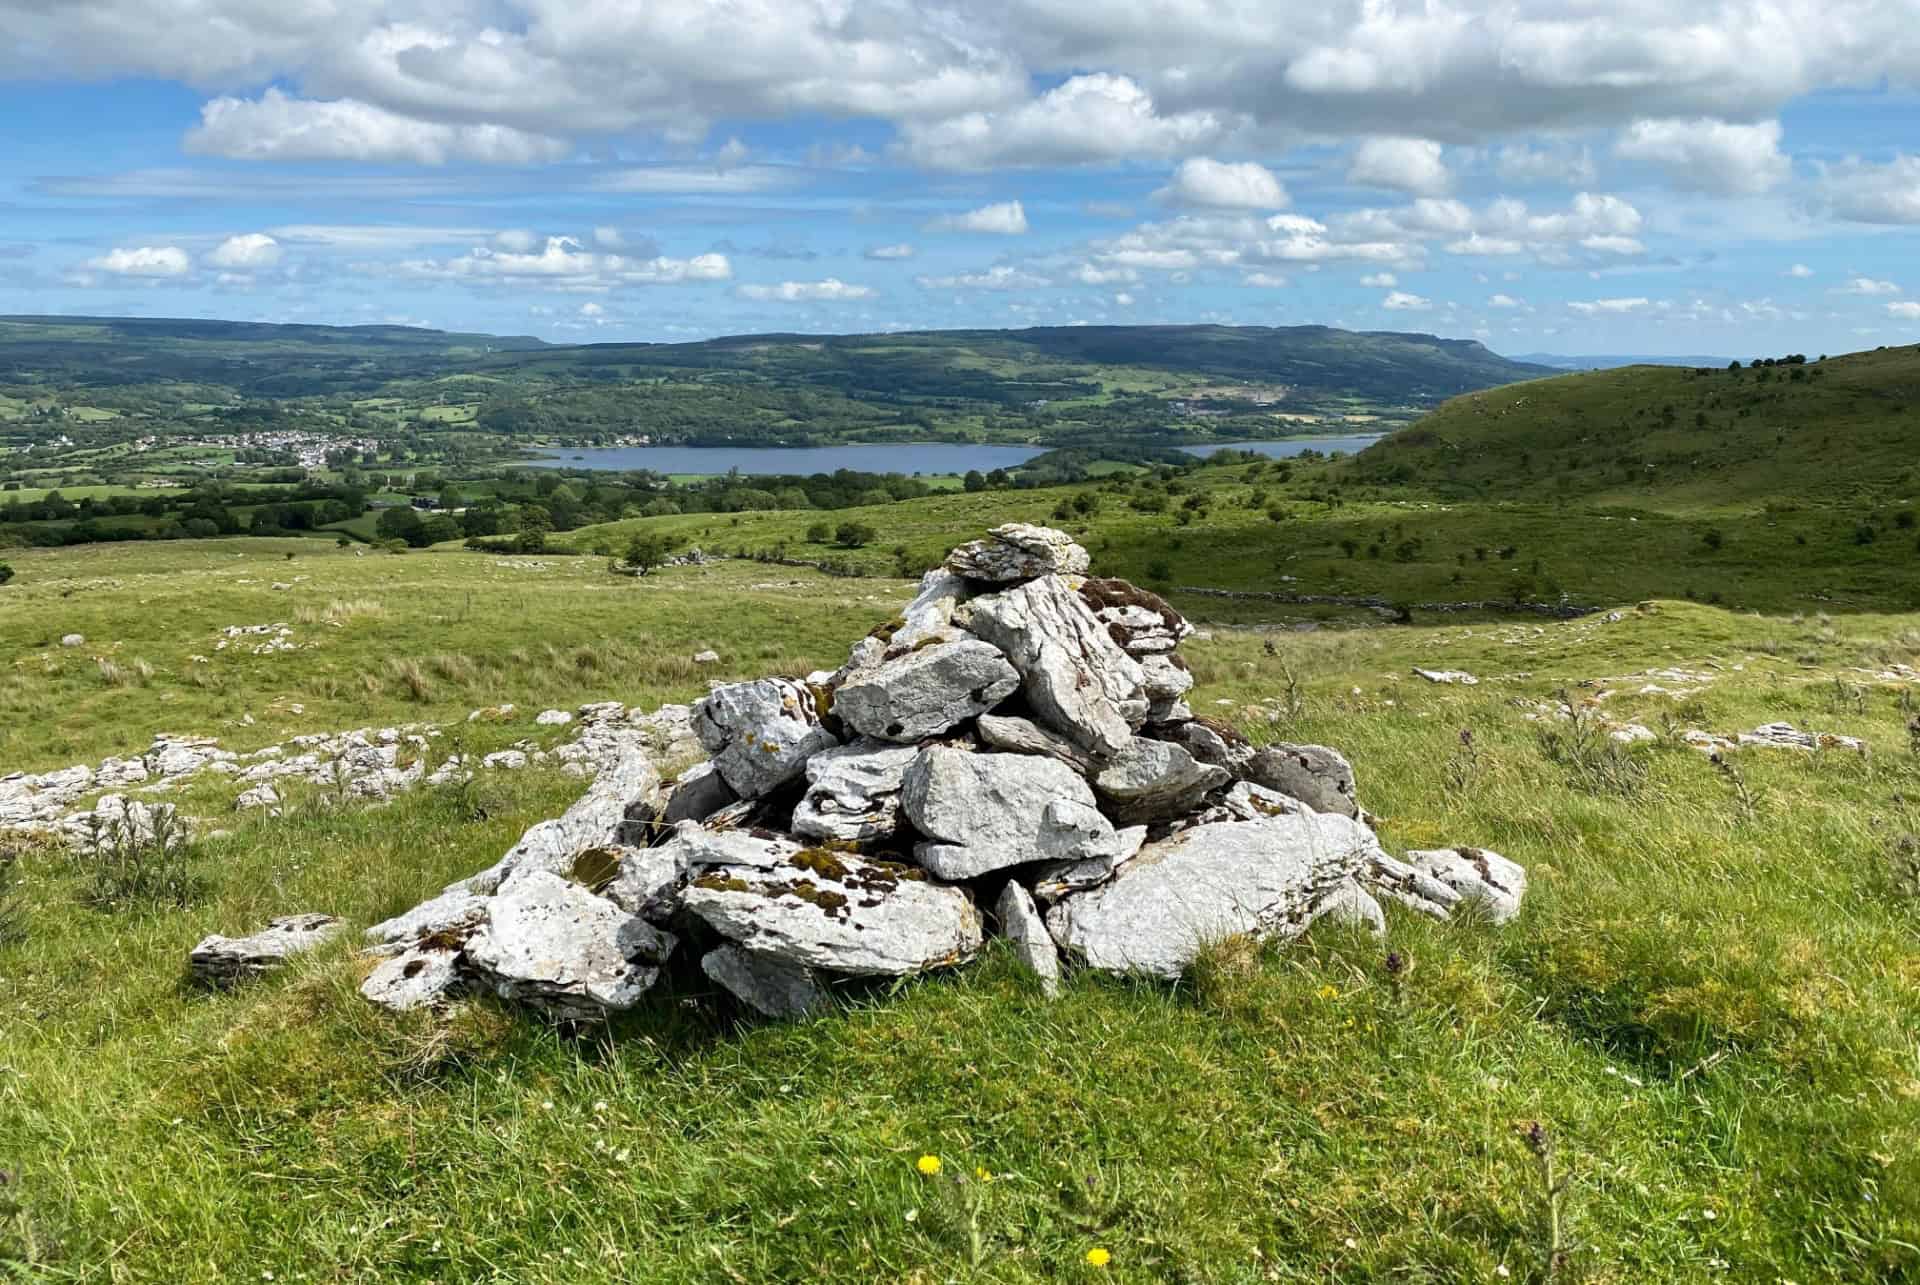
[
  {"x": 842, "y": 914},
  {"x": 926, "y": 692},
  {"x": 554, "y": 945},
  {"x": 1002, "y": 733},
  {"x": 760, "y": 734},
  {"x": 1074, "y": 675},
  {"x": 1018, "y": 551},
  {"x": 986, "y": 812},
  {"x": 1258, "y": 879},
  {"x": 223, "y": 961},
  {"x": 853, "y": 792}
]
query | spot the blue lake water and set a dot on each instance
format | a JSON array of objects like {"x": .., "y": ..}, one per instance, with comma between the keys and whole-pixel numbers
[{"x": 895, "y": 457}]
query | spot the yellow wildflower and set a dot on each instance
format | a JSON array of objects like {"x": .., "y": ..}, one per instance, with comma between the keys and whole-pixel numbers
[
  {"x": 982, "y": 1173},
  {"x": 1328, "y": 992},
  {"x": 1098, "y": 1257},
  {"x": 928, "y": 1165}
]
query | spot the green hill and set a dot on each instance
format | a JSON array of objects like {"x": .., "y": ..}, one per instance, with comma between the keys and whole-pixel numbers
[{"x": 1843, "y": 430}]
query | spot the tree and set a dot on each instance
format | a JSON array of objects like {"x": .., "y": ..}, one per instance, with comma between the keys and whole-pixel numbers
[
  {"x": 975, "y": 480},
  {"x": 819, "y": 533},
  {"x": 6, "y": 573},
  {"x": 398, "y": 524},
  {"x": 648, "y": 550},
  {"x": 851, "y": 535}
]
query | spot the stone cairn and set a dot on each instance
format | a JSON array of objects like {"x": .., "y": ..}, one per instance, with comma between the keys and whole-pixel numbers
[{"x": 1017, "y": 738}]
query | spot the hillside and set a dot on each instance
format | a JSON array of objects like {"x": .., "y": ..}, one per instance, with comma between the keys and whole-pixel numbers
[{"x": 1842, "y": 430}]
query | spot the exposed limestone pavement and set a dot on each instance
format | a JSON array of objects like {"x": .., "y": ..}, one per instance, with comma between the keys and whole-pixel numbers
[{"x": 1016, "y": 739}]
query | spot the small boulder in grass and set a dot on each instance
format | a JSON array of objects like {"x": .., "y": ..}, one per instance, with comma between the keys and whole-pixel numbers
[
  {"x": 1019, "y": 551},
  {"x": 224, "y": 961}
]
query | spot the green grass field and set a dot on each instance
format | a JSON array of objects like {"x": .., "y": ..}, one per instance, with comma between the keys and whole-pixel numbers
[{"x": 1711, "y": 1004}]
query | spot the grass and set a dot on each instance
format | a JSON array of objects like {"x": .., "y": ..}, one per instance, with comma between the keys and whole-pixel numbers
[
  {"x": 1709, "y": 1005},
  {"x": 1829, "y": 433}
]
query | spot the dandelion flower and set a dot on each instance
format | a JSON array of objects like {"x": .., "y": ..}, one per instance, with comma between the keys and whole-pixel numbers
[
  {"x": 1098, "y": 1257},
  {"x": 982, "y": 1173},
  {"x": 1328, "y": 992},
  {"x": 928, "y": 1165}
]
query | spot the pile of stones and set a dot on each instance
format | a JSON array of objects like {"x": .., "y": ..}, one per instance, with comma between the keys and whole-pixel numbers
[{"x": 1016, "y": 739}]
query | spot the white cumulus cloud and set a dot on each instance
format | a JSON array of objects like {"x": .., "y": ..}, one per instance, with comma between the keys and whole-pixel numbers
[
  {"x": 1226, "y": 185},
  {"x": 1401, "y": 301},
  {"x": 248, "y": 252},
  {"x": 1380, "y": 281},
  {"x": 1097, "y": 117},
  {"x": 282, "y": 128},
  {"x": 1867, "y": 193},
  {"x": 154, "y": 261},
  {"x": 832, "y": 290},
  {"x": 1709, "y": 155},
  {"x": 1906, "y": 311},
  {"x": 1599, "y": 307},
  {"x": 1867, "y": 285},
  {"x": 1403, "y": 164},
  {"x": 899, "y": 250},
  {"x": 1007, "y": 218},
  {"x": 1002, "y": 277}
]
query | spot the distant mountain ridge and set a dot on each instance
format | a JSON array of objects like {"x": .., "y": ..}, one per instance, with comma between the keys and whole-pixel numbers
[{"x": 1560, "y": 361}]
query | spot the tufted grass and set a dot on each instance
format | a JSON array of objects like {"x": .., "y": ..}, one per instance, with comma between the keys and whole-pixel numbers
[{"x": 1711, "y": 1003}]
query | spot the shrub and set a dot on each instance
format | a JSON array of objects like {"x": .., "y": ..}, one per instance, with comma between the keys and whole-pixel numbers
[
  {"x": 6, "y": 573},
  {"x": 13, "y": 907},
  {"x": 819, "y": 533},
  {"x": 140, "y": 860},
  {"x": 851, "y": 535},
  {"x": 648, "y": 550}
]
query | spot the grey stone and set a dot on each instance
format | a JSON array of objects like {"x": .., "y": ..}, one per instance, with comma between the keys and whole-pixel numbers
[
  {"x": 1166, "y": 681},
  {"x": 1024, "y": 736},
  {"x": 1140, "y": 621},
  {"x": 550, "y": 943},
  {"x": 1478, "y": 875},
  {"x": 926, "y": 692},
  {"x": 597, "y": 819},
  {"x": 760, "y": 734},
  {"x": 455, "y": 912},
  {"x": 1075, "y": 676},
  {"x": 1057, "y": 879},
  {"x": 1211, "y": 743},
  {"x": 1318, "y": 776},
  {"x": 844, "y": 915},
  {"x": 984, "y": 812},
  {"x": 553, "y": 718},
  {"x": 1245, "y": 801},
  {"x": 1351, "y": 906},
  {"x": 1415, "y": 889},
  {"x": 1020, "y": 924},
  {"x": 699, "y": 793},
  {"x": 221, "y": 961},
  {"x": 708, "y": 657},
  {"x": 416, "y": 978},
  {"x": 694, "y": 847},
  {"x": 1255, "y": 878},
  {"x": 1019, "y": 551},
  {"x": 646, "y": 880},
  {"x": 854, "y": 792},
  {"x": 766, "y": 984},
  {"x": 1154, "y": 781},
  {"x": 73, "y": 640},
  {"x": 260, "y": 796}
]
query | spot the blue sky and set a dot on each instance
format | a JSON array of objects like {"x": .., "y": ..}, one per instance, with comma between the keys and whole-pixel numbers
[{"x": 1737, "y": 177}]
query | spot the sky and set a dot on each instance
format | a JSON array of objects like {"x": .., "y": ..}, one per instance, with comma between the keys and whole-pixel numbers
[{"x": 1736, "y": 177}]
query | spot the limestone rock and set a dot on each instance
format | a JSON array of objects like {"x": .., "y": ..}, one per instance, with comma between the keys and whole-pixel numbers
[
  {"x": 1245, "y": 801},
  {"x": 1075, "y": 676},
  {"x": 1449, "y": 677},
  {"x": 926, "y": 692},
  {"x": 1024, "y": 736},
  {"x": 1141, "y": 622},
  {"x": 696, "y": 847},
  {"x": 1396, "y": 880},
  {"x": 1020, "y": 924},
  {"x": 766, "y": 984},
  {"x": 73, "y": 640},
  {"x": 699, "y": 793},
  {"x": 553, "y": 718},
  {"x": 260, "y": 796},
  {"x": 984, "y": 812},
  {"x": 645, "y": 880},
  {"x": 854, "y": 791},
  {"x": 1165, "y": 679},
  {"x": 1478, "y": 876},
  {"x": 1211, "y": 743},
  {"x": 420, "y": 976},
  {"x": 760, "y": 734},
  {"x": 1318, "y": 776},
  {"x": 708, "y": 657},
  {"x": 598, "y": 818},
  {"x": 1056, "y": 879},
  {"x": 454, "y": 913},
  {"x": 1019, "y": 551},
  {"x": 1182, "y": 894},
  {"x": 839, "y": 913},
  {"x": 1351, "y": 906},
  {"x": 1787, "y": 736},
  {"x": 1155, "y": 781},
  {"x": 222, "y": 961},
  {"x": 550, "y": 943}
]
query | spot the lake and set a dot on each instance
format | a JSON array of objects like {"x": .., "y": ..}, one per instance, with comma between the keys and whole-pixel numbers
[{"x": 893, "y": 457}]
